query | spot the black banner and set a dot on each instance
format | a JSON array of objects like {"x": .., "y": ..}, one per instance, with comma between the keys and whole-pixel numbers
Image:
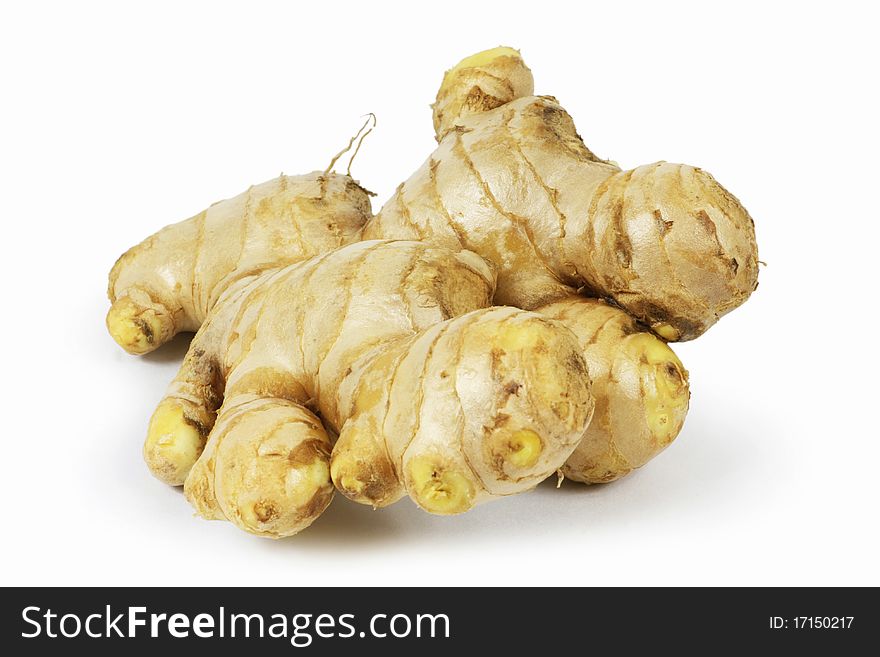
[{"x": 328, "y": 621}]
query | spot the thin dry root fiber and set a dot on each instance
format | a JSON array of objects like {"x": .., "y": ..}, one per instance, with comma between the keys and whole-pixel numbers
[
  {"x": 640, "y": 387},
  {"x": 169, "y": 282},
  {"x": 432, "y": 393},
  {"x": 512, "y": 180}
]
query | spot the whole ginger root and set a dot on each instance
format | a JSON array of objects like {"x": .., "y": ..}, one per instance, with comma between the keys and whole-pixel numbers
[
  {"x": 280, "y": 364},
  {"x": 512, "y": 181},
  {"x": 393, "y": 346}
]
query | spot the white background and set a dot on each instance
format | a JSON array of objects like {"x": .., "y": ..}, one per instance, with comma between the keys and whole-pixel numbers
[{"x": 117, "y": 119}]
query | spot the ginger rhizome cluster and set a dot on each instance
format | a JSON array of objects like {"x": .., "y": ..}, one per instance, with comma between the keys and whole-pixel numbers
[{"x": 504, "y": 317}]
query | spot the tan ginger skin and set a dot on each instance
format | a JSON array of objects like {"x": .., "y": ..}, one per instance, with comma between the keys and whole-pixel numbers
[
  {"x": 169, "y": 282},
  {"x": 432, "y": 393},
  {"x": 533, "y": 197},
  {"x": 512, "y": 181},
  {"x": 639, "y": 384}
]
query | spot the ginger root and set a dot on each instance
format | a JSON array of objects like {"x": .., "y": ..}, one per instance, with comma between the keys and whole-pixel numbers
[
  {"x": 639, "y": 384},
  {"x": 170, "y": 282},
  {"x": 306, "y": 333},
  {"x": 512, "y": 181},
  {"x": 433, "y": 393},
  {"x": 479, "y": 83}
]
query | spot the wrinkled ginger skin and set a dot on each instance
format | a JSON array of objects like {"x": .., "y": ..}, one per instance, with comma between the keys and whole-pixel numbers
[
  {"x": 639, "y": 384},
  {"x": 426, "y": 387},
  {"x": 479, "y": 83},
  {"x": 472, "y": 409},
  {"x": 169, "y": 282},
  {"x": 515, "y": 183}
]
